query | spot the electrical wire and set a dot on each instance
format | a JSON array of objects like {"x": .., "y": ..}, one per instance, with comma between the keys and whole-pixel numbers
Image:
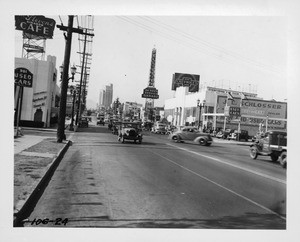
[
  {"x": 208, "y": 44},
  {"x": 218, "y": 52}
]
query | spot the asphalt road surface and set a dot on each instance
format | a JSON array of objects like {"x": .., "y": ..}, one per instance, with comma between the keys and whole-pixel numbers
[{"x": 161, "y": 184}]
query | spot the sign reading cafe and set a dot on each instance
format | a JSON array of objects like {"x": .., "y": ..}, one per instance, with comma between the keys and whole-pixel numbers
[{"x": 36, "y": 25}]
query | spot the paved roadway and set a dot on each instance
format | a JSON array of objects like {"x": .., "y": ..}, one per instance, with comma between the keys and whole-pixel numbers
[{"x": 161, "y": 184}]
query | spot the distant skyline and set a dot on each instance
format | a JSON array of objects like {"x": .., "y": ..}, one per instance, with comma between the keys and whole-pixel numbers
[{"x": 240, "y": 51}]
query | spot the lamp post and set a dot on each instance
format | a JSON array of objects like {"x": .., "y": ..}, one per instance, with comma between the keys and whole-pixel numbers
[
  {"x": 62, "y": 108},
  {"x": 200, "y": 105},
  {"x": 73, "y": 91}
]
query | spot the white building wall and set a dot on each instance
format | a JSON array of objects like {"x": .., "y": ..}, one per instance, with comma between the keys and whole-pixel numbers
[{"x": 43, "y": 90}]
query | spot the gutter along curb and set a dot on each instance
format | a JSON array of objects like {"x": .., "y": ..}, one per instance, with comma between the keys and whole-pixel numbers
[{"x": 27, "y": 207}]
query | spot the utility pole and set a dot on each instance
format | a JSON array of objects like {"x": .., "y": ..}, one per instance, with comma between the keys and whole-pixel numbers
[
  {"x": 64, "y": 85},
  {"x": 81, "y": 76}
]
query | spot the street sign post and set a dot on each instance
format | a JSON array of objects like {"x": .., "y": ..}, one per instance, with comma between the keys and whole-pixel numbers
[{"x": 23, "y": 78}]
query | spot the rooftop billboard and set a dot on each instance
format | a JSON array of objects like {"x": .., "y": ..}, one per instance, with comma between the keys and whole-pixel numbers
[{"x": 186, "y": 80}]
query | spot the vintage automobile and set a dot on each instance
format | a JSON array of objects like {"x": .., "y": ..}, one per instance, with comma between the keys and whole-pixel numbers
[
  {"x": 236, "y": 135},
  {"x": 100, "y": 121},
  {"x": 84, "y": 122},
  {"x": 193, "y": 134},
  {"x": 130, "y": 131},
  {"x": 274, "y": 144},
  {"x": 159, "y": 128}
]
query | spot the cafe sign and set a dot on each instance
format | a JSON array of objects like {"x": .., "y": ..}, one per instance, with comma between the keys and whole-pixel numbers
[
  {"x": 23, "y": 77},
  {"x": 36, "y": 25}
]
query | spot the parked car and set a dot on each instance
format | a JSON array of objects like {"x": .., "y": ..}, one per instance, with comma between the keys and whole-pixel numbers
[
  {"x": 227, "y": 133},
  {"x": 219, "y": 135},
  {"x": 193, "y": 134},
  {"x": 100, "y": 121},
  {"x": 130, "y": 131},
  {"x": 84, "y": 122},
  {"x": 274, "y": 144},
  {"x": 242, "y": 135},
  {"x": 159, "y": 128}
]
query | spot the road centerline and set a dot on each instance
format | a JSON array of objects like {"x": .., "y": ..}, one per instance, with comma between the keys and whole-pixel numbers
[
  {"x": 219, "y": 185},
  {"x": 235, "y": 166}
]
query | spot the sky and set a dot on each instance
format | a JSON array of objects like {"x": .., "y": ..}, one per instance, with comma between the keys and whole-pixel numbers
[{"x": 248, "y": 53}]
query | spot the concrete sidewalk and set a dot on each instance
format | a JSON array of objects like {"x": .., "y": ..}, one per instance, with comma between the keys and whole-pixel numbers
[
  {"x": 25, "y": 141},
  {"x": 35, "y": 159}
]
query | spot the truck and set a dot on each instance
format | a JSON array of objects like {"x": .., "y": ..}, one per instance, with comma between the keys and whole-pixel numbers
[{"x": 273, "y": 143}]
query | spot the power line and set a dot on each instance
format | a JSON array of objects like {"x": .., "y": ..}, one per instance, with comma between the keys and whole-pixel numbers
[
  {"x": 210, "y": 45},
  {"x": 221, "y": 53}
]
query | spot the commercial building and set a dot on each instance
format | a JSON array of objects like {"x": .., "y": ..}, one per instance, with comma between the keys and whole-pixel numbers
[
  {"x": 38, "y": 104},
  {"x": 101, "y": 98},
  {"x": 218, "y": 108},
  {"x": 132, "y": 110},
  {"x": 106, "y": 96}
]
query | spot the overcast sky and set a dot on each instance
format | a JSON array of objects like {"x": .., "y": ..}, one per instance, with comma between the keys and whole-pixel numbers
[{"x": 249, "y": 53}]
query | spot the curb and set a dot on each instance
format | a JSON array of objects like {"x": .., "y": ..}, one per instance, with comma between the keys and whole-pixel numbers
[{"x": 31, "y": 201}]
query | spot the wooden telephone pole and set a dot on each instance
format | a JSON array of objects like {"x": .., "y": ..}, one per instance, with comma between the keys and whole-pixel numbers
[{"x": 64, "y": 86}]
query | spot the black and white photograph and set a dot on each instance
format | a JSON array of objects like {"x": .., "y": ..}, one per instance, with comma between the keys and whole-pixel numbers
[{"x": 151, "y": 121}]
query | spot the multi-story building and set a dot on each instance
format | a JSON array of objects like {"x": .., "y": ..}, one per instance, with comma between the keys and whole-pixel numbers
[
  {"x": 101, "y": 98},
  {"x": 106, "y": 96},
  {"x": 132, "y": 110},
  {"x": 38, "y": 104}
]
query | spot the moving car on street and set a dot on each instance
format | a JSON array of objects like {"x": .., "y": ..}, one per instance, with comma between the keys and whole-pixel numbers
[
  {"x": 272, "y": 143},
  {"x": 130, "y": 131},
  {"x": 193, "y": 134}
]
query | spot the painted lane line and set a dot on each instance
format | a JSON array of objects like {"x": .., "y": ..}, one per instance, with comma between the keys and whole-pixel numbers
[
  {"x": 219, "y": 185},
  {"x": 235, "y": 166}
]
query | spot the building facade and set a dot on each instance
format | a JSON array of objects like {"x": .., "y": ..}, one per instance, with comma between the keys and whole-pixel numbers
[
  {"x": 101, "y": 98},
  {"x": 132, "y": 110},
  {"x": 217, "y": 108},
  {"x": 38, "y": 103},
  {"x": 106, "y": 96}
]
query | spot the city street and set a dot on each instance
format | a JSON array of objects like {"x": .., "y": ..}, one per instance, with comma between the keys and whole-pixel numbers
[{"x": 161, "y": 184}]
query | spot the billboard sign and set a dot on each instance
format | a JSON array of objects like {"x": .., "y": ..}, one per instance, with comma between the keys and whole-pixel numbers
[
  {"x": 23, "y": 77},
  {"x": 186, "y": 80},
  {"x": 254, "y": 112},
  {"x": 235, "y": 111},
  {"x": 150, "y": 92},
  {"x": 36, "y": 25}
]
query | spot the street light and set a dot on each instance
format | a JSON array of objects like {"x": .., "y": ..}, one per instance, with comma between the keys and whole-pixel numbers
[
  {"x": 73, "y": 71},
  {"x": 73, "y": 91},
  {"x": 200, "y": 105}
]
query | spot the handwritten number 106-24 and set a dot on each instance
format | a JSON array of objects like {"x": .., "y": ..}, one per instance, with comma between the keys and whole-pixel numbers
[{"x": 57, "y": 221}]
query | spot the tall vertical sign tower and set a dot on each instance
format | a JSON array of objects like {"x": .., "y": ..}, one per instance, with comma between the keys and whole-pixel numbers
[{"x": 151, "y": 93}]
